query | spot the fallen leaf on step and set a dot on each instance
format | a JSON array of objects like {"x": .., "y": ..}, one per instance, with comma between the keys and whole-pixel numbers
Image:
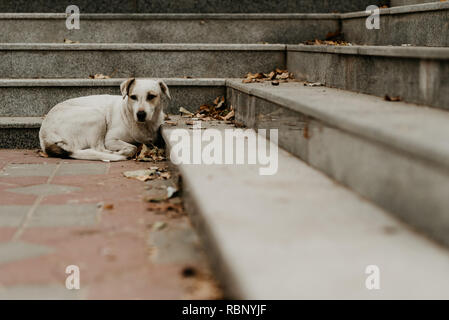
[
  {"x": 109, "y": 206},
  {"x": 313, "y": 84},
  {"x": 159, "y": 225},
  {"x": 171, "y": 123},
  {"x": 42, "y": 154},
  {"x": 68, "y": 41},
  {"x": 184, "y": 111},
  {"x": 229, "y": 116},
  {"x": 99, "y": 76},
  {"x": 392, "y": 99},
  {"x": 141, "y": 175}
]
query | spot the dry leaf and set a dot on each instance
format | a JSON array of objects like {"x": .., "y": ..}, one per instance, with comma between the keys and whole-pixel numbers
[
  {"x": 108, "y": 206},
  {"x": 68, "y": 41},
  {"x": 185, "y": 111},
  {"x": 392, "y": 99},
  {"x": 229, "y": 116},
  {"x": 99, "y": 76}
]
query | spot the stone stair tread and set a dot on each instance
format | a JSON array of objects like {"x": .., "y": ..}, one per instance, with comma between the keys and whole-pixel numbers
[
  {"x": 412, "y": 128},
  {"x": 271, "y": 237},
  {"x": 20, "y": 122}
]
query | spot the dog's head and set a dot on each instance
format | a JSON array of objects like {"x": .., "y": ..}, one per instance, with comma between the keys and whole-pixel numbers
[{"x": 143, "y": 97}]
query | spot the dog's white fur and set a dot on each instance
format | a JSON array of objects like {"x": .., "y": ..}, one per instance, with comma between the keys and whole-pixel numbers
[{"x": 105, "y": 127}]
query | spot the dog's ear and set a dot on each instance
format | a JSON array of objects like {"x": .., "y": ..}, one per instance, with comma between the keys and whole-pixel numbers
[
  {"x": 164, "y": 88},
  {"x": 125, "y": 86}
]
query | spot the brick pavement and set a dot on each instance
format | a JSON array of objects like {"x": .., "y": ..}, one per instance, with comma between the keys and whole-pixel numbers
[{"x": 55, "y": 213}]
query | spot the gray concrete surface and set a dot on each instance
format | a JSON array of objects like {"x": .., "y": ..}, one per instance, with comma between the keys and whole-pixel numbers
[
  {"x": 417, "y": 75},
  {"x": 139, "y": 60},
  {"x": 169, "y": 28},
  {"x": 188, "y": 6},
  {"x": 35, "y": 97},
  {"x": 418, "y": 25},
  {"x": 271, "y": 237},
  {"x": 20, "y": 132},
  {"x": 390, "y": 152}
]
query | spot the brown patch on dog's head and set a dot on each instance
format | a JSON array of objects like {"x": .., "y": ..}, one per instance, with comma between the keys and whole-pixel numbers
[{"x": 126, "y": 86}]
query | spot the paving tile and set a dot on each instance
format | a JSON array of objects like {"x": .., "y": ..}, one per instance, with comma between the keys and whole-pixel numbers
[
  {"x": 41, "y": 292},
  {"x": 82, "y": 169},
  {"x": 64, "y": 215},
  {"x": 21, "y": 170},
  {"x": 177, "y": 243},
  {"x": 45, "y": 189},
  {"x": 13, "y": 251},
  {"x": 12, "y": 216}
]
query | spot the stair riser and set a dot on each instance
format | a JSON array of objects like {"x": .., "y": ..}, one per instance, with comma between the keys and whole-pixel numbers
[
  {"x": 188, "y": 6},
  {"x": 416, "y": 28},
  {"x": 411, "y": 188},
  {"x": 414, "y": 80},
  {"x": 158, "y": 30},
  {"x": 144, "y": 63},
  {"x": 19, "y": 138},
  {"x": 30, "y": 101}
]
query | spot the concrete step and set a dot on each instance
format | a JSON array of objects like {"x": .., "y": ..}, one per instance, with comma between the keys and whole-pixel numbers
[
  {"x": 35, "y": 97},
  {"x": 19, "y": 132},
  {"x": 393, "y": 153},
  {"x": 395, "y": 3},
  {"x": 418, "y": 25},
  {"x": 415, "y": 74},
  {"x": 415, "y": 25},
  {"x": 189, "y": 6},
  {"x": 168, "y": 28},
  {"x": 138, "y": 60},
  {"x": 271, "y": 237}
]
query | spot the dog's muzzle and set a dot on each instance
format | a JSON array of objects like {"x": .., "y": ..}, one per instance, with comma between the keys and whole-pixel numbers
[{"x": 141, "y": 116}]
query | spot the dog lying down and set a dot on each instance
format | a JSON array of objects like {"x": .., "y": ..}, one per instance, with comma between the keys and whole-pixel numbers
[{"x": 105, "y": 127}]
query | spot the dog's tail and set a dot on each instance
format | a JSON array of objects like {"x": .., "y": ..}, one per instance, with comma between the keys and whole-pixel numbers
[{"x": 92, "y": 154}]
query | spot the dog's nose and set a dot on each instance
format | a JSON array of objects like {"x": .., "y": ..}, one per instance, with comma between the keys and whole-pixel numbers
[{"x": 141, "y": 115}]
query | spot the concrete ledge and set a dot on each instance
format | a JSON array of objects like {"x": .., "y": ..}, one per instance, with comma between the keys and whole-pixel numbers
[
  {"x": 141, "y": 46},
  {"x": 174, "y": 16},
  {"x": 168, "y": 28},
  {"x": 424, "y": 7},
  {"x": 35, "y": 97},
  {"x": 189, "y": 6},
  {"x": 401, "y": 160},
  {"x": 265, "y": 225},
  {"x": 417, "y": 25},
  {"x": 138, "y": 60},
  {"x": 20, "y": 122},
  {"x": 379, "y": 51},
  {"x": 105, "y": 82},
  {"x": 416, "y": 74}
]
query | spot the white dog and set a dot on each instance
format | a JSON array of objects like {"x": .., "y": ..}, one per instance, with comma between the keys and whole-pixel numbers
[{"x": 105, "y": 127}]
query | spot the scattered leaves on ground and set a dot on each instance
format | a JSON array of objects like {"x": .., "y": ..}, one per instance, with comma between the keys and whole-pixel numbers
[
  {"x": 207, "y": 112},
  {"x": 150, "y": 154},
  {"x": 275, "y": 76},
  {"x": 317, "y": 42}
]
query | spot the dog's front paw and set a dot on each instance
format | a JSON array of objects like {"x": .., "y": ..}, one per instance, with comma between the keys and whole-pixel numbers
[{"x": 128, "y": 151}]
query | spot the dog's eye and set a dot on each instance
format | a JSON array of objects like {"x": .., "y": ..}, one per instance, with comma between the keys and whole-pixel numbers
[
  {"x": 133, "y": 97},
  {"x": 151, "y": 96}
]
